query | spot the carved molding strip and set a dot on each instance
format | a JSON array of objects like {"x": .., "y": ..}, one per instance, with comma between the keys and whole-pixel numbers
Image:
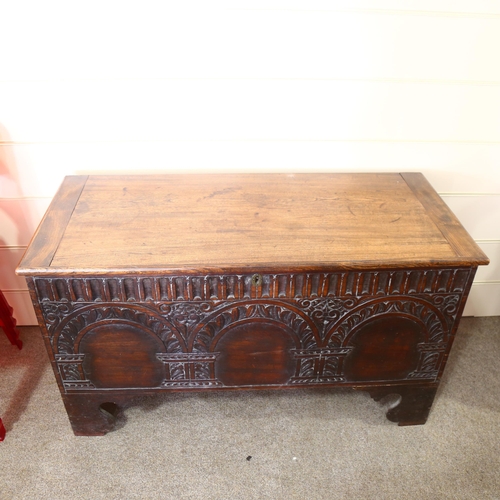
[{"x": 241, "y": 286}]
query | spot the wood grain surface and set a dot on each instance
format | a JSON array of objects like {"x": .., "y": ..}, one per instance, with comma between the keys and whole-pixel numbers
[
  {"x": 44, "y": 243},
  {"x": 220, "y": 222}
]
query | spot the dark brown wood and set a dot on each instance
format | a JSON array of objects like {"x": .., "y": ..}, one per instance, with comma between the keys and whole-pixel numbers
[
  {"x": 414, "y": 405},
  {"x": 94, "y": 414},
  {"x": 288, "y": 281}
]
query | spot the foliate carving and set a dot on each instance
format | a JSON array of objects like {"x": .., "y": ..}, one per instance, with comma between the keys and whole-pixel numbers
[
  {"x": 71, "y": 371},
  {"x": 53, "y": 312},
  {"x": 189, "y": 369},
  {"x": 201, "y": 371},
  {"x": 90, "y": 317},
  {"x": 308, "y": 369},
  {"x": 229, "y": 316},
  {"x": 177, "y": 371},
  {"x": 318, "y": 366},
  {"x": 185, "y": 315},
  {"x": 435, "y": 325},
  {"x": 325, "y": 312},
  {"x": 447, "y": 304},
  {"x": 189, "y": 315},
  {"x": 428, "y": 367},
  {"x": 430, "y": 361},
  {"x": 69, "y": 333},
  {"x": 331, "y": 368}
]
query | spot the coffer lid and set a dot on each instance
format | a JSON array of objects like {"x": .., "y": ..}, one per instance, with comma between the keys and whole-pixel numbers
[{"x": 235, "y": 222}]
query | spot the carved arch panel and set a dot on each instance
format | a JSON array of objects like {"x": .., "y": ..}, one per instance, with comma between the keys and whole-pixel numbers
[
  {"x": 210, "y": 330},
  {"x": 409, "y": 334},
  {"x": 255, "y": 342},
  {"x": 198, "y": 342},
  {"x": 113, "y": 346}
]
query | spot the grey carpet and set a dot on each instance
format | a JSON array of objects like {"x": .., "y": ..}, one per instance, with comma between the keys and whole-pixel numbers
[{"x": 303, "y": 444}]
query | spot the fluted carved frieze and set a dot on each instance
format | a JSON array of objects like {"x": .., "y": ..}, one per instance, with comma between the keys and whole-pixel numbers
[{"x": 229, "y": 287}]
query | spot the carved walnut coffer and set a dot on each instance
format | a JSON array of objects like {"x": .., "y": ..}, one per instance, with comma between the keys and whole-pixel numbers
[{"x": 147, "y": 284}]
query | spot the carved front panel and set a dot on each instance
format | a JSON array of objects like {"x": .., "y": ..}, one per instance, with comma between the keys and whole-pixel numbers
[{"x": 250, "y": 330}]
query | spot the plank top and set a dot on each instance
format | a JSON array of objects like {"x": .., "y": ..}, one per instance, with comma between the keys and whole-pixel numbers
[{"x": 229, "y": 222}]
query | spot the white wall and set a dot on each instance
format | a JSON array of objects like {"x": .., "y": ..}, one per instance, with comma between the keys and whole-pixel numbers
[{"x": 351, "y": 85}]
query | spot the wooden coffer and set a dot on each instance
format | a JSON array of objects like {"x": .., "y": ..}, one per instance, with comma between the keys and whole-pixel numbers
[{"x": 147, "y": 284}]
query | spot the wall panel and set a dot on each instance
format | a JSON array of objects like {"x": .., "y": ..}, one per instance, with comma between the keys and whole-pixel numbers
[
  {"x": 187, "y": 109},
  {"x": 449, "y": 167},
  {"x": 377, "y": 39},
  {"x": 261, "y": 86},
  {"x": 490, "y": 273},
  {"x": 20, "y": 301},
  {"x": 484, "y": 300},
  {"x": 9, "y": 259},
  {"x": 478, "y": 214},
  {"x": 19, "y": 218}
]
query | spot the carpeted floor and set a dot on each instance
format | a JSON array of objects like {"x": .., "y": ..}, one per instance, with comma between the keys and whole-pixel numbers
[{"x": 304, "y": 444}]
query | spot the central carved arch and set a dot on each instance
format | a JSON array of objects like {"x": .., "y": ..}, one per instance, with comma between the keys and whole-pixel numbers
[
  {"x": 211, "y": 329},
  {"x": 255, "y": 342}
]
